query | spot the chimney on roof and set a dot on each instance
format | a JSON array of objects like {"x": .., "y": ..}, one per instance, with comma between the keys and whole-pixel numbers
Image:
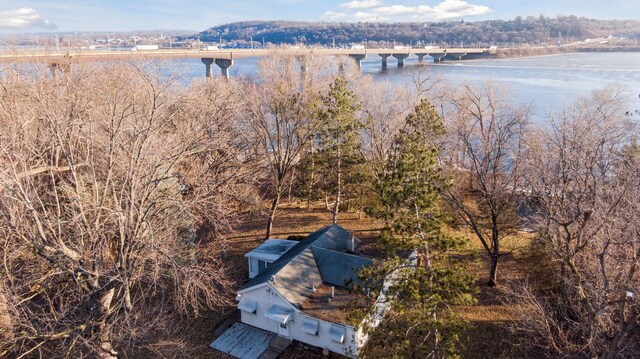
[
  {"x": 353, "y": 244},
  {"x": 333, "y": 291}
]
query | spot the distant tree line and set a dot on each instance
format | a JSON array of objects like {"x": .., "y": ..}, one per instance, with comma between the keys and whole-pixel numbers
[{"x": 529, "y": 30}]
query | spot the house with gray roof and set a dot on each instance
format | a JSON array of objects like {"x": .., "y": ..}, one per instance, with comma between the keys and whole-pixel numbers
[{"x": 301, "y": 290}]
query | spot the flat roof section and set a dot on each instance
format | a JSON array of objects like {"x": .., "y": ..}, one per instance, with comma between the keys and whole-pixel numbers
[{"x": 271, "y": 249}]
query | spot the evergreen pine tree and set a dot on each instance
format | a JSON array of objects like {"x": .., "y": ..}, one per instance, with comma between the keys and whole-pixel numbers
[
  {"x": 339, "y": 161},
  {"x": 420, "y": 323}
]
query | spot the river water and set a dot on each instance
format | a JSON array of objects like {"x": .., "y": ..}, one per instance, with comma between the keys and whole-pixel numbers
[{"x": 548, "y": 82}]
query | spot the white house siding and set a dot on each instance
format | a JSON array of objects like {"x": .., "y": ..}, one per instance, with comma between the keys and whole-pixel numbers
[
  {"x": 382, "y": 305},
  {"x": 322, "y": 340},
  {"x": 267, "y": 296}
]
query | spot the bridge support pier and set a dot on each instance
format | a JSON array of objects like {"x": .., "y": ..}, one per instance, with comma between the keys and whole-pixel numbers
[
  {"x": 421, "y": 57},
  {"x": 384, "y": 59},
  {"x": 59, "y": 68},
  {"x": 304, "y": 66},
  {"x": 224, "y": 65},
  {"x": 457, "y": 55},
  {"x": 207, "y": 63},
  {"x": 437, "y": 57},
  {"x": 358, "y": 58},
  {"x": 401, "y": 58}
]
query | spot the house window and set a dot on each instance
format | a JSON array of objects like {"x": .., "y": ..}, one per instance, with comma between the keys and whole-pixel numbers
[
  {"x": 311, "y": 326},
  {"x": 279, "y": 314},
  {"x": 248, "y": 305},
  {"x": 257, "y": 266},
  {"x": 337, "y": 333},
  {"x": 261, "y": 266},
  {"x": 283, "y": 326}
]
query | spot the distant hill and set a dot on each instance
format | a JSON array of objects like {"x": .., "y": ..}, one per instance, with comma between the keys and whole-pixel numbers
[{"x": 530, "y": 30}]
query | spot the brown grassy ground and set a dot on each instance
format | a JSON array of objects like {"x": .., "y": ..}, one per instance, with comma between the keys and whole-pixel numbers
[
  {"x": 490, "y": 318},
  {"x": 489, "y": 336}
]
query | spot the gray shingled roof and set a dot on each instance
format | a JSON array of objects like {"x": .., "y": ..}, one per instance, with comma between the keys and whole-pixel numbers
[
  {"x": 337, "y": 268},
  {"x": 296, "y": 280},
  {"x": 335, "y": 238},
  {"x": 333, "y": 232},
  {"x": 316, "y": 259}
]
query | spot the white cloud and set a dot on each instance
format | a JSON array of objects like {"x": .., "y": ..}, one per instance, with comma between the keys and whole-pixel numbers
[
  {"x": 456, "y": 9},
  {"x": 395, "y": 10},
  {"x": 335, "y": 16},
  {"x": 361, "y": 4},
  {"x": 445, "y": 10},
  {"x": 358, "y": 16},
  {"x": 23, "y": 18},
  {"x": 369, "y": 17}
]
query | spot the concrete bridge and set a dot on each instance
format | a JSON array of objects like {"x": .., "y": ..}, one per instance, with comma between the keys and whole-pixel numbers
[{"x": 224, "y": 58}]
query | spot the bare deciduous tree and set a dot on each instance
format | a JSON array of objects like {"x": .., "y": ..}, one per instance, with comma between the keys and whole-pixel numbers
[
  {"x": 584, "y": 176},
  {"x": 107, "y": 173},
  {"x": 384, "y": 108},
  {"x": 486, "y": 146},
  {"x": 282, "y": 106}
]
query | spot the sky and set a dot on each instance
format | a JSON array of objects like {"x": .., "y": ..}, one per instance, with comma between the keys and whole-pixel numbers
[{"x": 19, "y": 16}]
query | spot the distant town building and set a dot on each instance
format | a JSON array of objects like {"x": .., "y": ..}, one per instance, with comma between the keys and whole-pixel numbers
[{"x": 145, "y": 47}]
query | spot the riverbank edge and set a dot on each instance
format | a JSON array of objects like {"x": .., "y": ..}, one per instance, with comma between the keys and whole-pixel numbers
[{"x": 534, "y": 52}]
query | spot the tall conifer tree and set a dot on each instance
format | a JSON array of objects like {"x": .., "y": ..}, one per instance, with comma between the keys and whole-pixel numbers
[
  {"x": 420, "y": 323},
  {"x": 339, "y": 157}
]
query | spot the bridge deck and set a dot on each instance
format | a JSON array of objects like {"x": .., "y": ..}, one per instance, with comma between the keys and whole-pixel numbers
[{"x": 98, "y": 55}]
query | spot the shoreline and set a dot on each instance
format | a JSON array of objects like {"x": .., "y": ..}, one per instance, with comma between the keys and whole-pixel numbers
[
  {"x": 550, "y": 51},
  {"x": 523, "y": 57}
]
